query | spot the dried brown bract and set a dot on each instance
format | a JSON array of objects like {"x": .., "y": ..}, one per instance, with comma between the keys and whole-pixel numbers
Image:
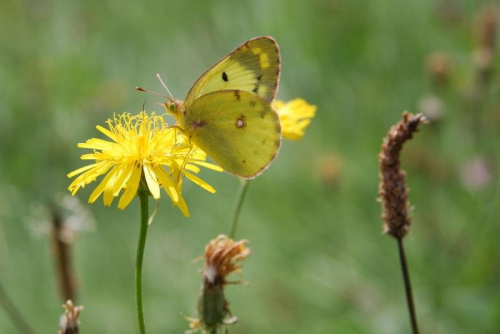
[
  {"x": 222, "y": 257},
  {"x": 392, "y": 187},
  {"x": 68, "y": 324}
]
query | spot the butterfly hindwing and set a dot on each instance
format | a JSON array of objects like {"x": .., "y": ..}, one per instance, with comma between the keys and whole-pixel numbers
[
  {"x": 252, "y": 67},
  {"x": 237, "y": 129}
]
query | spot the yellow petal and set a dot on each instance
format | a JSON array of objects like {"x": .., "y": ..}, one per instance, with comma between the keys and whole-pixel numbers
[
  {"x": 208, "y": 165},
  {"x": 132, "y": 186},
  {"x": 181, "y": 204},
  {"x": 109, "y": 193},
  {"x": 108, "y": 133},
  {"x": 199, "y": 182},
  {"x": 122, "y": 176},
  {"x": 166, "y": 183},
  {"x": 100, "y": 188},
  {"x": 151, "y": 180},
  {"x": 81, "y": 170}
]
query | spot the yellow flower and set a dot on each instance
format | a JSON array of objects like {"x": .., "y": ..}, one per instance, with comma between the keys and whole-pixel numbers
[
  {"x": 295, "y": 116},
  {"x": 144, "y": 152}
]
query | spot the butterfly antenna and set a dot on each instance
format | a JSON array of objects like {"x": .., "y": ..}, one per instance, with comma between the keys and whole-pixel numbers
[
  {"x": 159, "y": 78},
  {"x": 154, "y": 93}
]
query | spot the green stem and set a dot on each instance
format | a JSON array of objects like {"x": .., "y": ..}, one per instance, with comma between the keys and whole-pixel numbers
[
  {"x": 144, "y": 200},
  {"x": 409, "y": 293},
  {"x": 237, "y": 205}
]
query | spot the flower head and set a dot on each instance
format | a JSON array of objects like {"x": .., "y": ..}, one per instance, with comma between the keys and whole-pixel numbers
[
  {"x": 294, "y": 116},
  {"x": 222, "y": 257},
  {"x": 144, "y": 154}
]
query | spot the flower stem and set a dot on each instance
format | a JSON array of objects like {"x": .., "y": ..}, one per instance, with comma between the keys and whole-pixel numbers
[
  {"x": 144, "y": 200},
  {"x": 63, "y": 258},
  {"x": 409, "y": 293},
  {"x": 237, "y": 205}
]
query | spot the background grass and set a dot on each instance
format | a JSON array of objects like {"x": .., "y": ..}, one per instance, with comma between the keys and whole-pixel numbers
[{"x": 319, "y": 263}]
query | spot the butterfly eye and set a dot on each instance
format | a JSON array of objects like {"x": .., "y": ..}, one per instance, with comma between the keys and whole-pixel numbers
[{"x": 172, "y": 107}]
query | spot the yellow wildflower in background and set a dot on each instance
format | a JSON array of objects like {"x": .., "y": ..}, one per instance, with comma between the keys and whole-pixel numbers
[
  {"x": 294, "y": 116},
  {"x": 144, "y": 152}
]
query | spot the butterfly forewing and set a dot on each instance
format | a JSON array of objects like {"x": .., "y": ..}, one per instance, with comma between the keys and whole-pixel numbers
[
  {"x": 252, "y": 67},
  {"x": 237, "y": 129}
]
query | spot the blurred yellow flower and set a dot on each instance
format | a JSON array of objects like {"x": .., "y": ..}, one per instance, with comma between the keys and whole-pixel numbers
[
  {"x": 295, "y": 116},
  {"x": 144, "y": 153}
]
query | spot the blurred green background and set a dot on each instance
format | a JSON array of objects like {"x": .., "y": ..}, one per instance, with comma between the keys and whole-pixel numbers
[{"x": 319, "y": 262}]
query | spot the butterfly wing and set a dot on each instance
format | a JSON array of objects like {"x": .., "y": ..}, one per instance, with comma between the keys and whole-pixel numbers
[
  {"x": 252, "y": 67},
  {"x": 237, "y": 129}
]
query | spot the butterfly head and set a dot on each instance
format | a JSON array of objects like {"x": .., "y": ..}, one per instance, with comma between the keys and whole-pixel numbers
[{"x": 173, "y": 107}]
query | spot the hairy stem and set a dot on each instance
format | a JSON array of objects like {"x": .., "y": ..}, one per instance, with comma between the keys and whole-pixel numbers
[
  {"x": 408, "y": 290},
  {"x": 144, "y": 199},
  {"x": 237, "y": 205},
  {"x": 67, "y": 285}
]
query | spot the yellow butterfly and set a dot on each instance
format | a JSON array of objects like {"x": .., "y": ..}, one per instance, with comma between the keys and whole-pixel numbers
[{"x": 228, "y": 110}]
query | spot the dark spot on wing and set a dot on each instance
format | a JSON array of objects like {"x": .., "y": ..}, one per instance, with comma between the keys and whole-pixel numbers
[
  {"x": 198, "y": 124},
  {"x": 263, "y": 112},
  {"x": 237, "y": 94},
  {"x": 259, "y": 77},
  {"x": 244, "y": 161},
  {"x": 255, "y": 89},
  {"x": 224, "y": 77}
]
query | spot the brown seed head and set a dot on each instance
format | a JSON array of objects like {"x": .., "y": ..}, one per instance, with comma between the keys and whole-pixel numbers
[{"x": 392, "y": 187}]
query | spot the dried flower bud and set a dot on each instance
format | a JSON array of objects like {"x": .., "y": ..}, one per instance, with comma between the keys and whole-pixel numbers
[
  {"x": 487, "y": 26},
  {"x": 488, "y": 21},
  {"x": 439, "y": 66},
  {"x": 392, "y": 187},
  {"x": 476, "y": 173},
  {"x": 68, "y": 323},
  {"x": 222, "y": 257},
  {"x": 432, "y": 107},
  {"x": 328, "y": 168}
]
